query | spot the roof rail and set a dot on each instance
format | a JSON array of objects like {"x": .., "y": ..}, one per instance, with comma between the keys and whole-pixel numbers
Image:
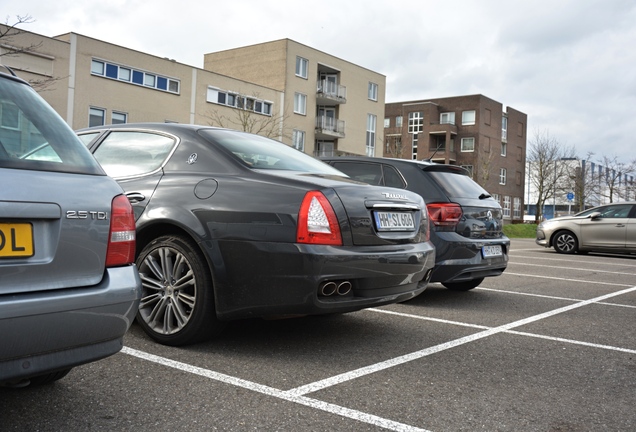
[{"x": 9, "y": 70}]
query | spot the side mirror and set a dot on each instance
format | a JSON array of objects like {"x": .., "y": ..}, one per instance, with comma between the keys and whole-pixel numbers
[{"x": 595, "y": 215}]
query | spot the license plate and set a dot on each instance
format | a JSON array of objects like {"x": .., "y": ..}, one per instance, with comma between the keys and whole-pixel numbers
[
  {"x": 394, "y": 221},
  {"x": 491, "y": 251},
  {"x": 16, "y": 240}
]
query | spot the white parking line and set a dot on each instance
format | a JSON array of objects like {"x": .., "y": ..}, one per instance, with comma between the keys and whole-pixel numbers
[
  {"x": 270, "y": 391},
  {"x": 549, "y": 297},
  {"x": 568, "y": 280},
  {"x": 534, "y": 335},
  {"x": 347, "y": 376},
  {"x": 578, "y": 259},
  {"x": 574, "y": 268},
  {"x": 297, "y": 395}
]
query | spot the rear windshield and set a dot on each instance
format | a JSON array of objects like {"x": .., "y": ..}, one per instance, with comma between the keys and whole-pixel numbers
[
  {"x": 34, "y": 137},
  {"x": 458, "y": 185},
  {"x": 263, "y": 153}
]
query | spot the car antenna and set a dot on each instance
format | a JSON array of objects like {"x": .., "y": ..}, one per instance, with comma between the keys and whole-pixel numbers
[{"x": 430, "y": 158}]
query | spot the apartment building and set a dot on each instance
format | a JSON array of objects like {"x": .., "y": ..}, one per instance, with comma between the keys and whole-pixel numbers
[
  {"x": 316, "y": 102},
  {"x": 333, "y": 105},
  {"x": 473, "y": 131}
]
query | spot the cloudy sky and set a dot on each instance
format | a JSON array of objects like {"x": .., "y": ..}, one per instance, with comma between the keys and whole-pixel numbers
[{"x": 569, "y": 64}]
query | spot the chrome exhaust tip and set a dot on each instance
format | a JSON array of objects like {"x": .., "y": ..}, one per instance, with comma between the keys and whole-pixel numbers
[
  {"x": 344, "y": 288},
  {"x": 328, "y": 288}
]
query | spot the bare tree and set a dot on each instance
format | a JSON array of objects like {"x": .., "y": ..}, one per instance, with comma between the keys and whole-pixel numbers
[
  {"x": 394, "y": 147},
  {"x": 545, "y": 171},
  {"x": 10, "y": 46},
  {"x": 244, "y": 118},
  {"x": 9, "y": 30},
  {"x": 485, "y": 162},
  {"x": 613, "y": 178}
]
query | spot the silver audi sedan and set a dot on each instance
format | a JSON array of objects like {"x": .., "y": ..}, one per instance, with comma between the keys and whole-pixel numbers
[
  {"x": 606, "y": 228},
  {"x": 69, "y": 288}
]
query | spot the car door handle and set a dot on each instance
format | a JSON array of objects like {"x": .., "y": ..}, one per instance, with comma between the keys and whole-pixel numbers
[
  {"x": 135, "y": 197},
  {"x": 620, "y": 225}
]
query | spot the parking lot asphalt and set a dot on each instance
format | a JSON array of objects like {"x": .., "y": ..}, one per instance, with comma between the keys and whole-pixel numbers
[{"x": 548, "y": 346}]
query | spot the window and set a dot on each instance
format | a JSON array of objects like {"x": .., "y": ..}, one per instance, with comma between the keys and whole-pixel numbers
[
  {"x": 416, "y": 122},
  {"x": 371, "y": 124},
  {"x": 97, "y": 67},
  {"x": 324, "y": 148},
  {"x": 496, "y": 197},
  {"x": 223, "y": 97},
  {"x": 119, "y": 158},
  {"x": 133, "y": 76},
  {"x": 301, "y": 67},
  {"x": 300, "y": 103},
  {"x": 124, "y": 74},
  {"x": 387, "y": 122},
  {"x": 373, "y": 91},
  {"x": 503, "y": 148},
  {"x": 398, "y": 121},
  {"x": 118, "y": 117},
  {"x": 469, "y": 168},
  {"x": 504, "y": 128},
  {"x": 516, "y": 208},
  {"x": 149, "y": 80},
  {"x": 468, "y": 145},
  {"x": 414, "y": 147},
  {"x": 10, "y": 115},
  {"x": 506, "y": 206},
  {"x": 468, "y": 118},
  {"x": 298, "y": 140},
  {"x": 502, "y": 177},
  {"x": 96, "y": 117},
  {"x": 447, "y": 118}
]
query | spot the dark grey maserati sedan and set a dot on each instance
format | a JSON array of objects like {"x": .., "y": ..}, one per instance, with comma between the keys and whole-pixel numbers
[{"x": 233, "y": 225}]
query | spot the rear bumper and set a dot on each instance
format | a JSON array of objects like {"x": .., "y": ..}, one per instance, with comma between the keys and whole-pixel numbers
[
  {"x": 459, "y": 259},
  {"x": 47, "y": 331},
  {"x": 277, "y": 279}
]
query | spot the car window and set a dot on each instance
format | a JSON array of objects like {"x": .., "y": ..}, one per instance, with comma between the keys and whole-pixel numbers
[
  {"x": 88, "y": 137},
  {"x": 457, "y": 185},
  {"x": 363, "y": 172},
  {"x": 34, "y": 137},
  {"x": 615, "y": 211},
  {"x": 263, "y": 153},
  {"x": 130, "y": 153},
  {"x": 392, "y": 177}
]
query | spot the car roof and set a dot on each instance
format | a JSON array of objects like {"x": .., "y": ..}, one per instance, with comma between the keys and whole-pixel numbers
[
  {"x": 425, "y": 165},
  {"x": 158, "y": 126}
]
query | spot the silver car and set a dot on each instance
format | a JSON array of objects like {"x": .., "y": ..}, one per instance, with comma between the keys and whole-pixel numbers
[
  {"x": 69, "y": 289},
  {"x": 607, "y": 228}
]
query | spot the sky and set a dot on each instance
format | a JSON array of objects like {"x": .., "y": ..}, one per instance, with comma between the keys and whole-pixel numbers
[{"x": 570, "y": 65}]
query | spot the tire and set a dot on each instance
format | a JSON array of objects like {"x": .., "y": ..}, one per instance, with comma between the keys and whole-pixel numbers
[
  {"x": 565, "y": 242},
  {"x": 177, "y": 300},
  {"x": 463, "y": 286}
]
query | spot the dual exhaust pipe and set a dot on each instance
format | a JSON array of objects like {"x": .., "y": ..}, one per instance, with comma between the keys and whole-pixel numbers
[{"x": 330, "y": 288}]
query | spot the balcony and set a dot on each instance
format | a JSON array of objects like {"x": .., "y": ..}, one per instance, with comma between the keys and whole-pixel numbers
[
  {"x": 329, "y": 128},
  {"x": 443, "y": 129},
  {"x": 330, "y": 93}
]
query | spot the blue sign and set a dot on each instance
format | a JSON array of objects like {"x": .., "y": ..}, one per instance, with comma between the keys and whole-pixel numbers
[{"x": 570, "y": 196}]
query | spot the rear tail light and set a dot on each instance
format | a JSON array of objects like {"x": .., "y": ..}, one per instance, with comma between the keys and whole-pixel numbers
[
  {"x": 121, "y": 239},
  {"x": 444, "y": 214},
  {"x": 317, "y": 222}
]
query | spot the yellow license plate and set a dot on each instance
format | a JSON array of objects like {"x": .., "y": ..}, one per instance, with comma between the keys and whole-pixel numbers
[{"x": 16, "y": 240}]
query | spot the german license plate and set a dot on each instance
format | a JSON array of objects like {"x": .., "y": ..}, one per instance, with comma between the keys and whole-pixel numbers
[
  {"x": 394, "y": 221},
  {"x": 16, "y": 240},
  {"x": 491, "y": 251}
]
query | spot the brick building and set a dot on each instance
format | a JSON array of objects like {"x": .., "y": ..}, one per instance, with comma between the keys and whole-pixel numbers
[{"x": 473, "y": 131}]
